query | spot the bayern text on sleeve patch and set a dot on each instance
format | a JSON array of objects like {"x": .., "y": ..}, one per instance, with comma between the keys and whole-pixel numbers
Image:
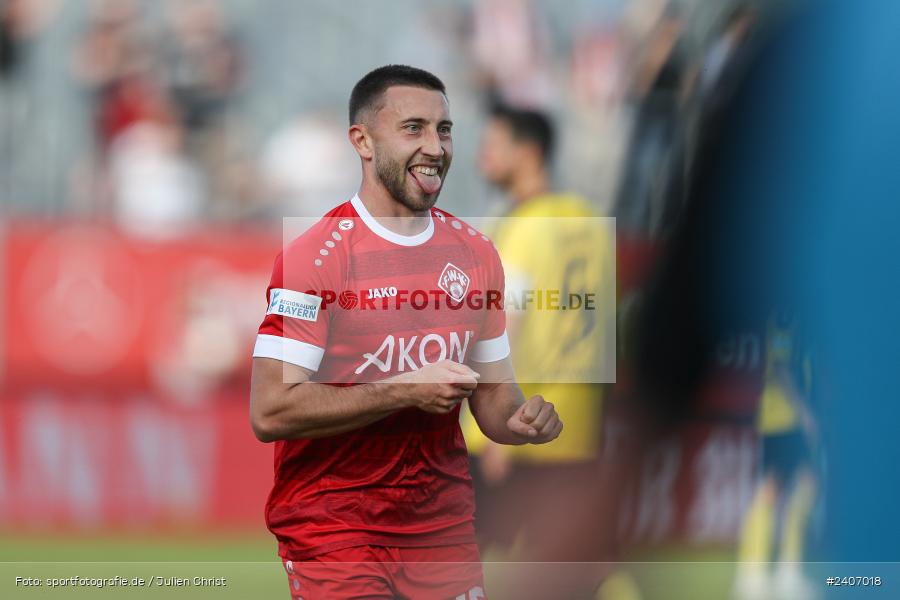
[{"x": 296, "y": 305}]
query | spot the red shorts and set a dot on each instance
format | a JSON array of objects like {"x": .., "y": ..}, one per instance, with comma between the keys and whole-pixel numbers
[{"x": 373, "y": 572}]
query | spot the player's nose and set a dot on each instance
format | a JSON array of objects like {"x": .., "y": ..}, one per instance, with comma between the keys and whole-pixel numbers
[{"x": 431, "y": 145}]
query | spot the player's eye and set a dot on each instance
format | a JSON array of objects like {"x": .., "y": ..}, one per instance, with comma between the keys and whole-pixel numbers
[
  {"x": 413, "y": 127},
  {"x": 444, "y": 130}
]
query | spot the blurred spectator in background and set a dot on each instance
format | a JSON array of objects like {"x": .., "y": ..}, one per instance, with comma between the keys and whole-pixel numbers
[
  {"x": 156, "y": 189},
  {"x": 598, "y": 72},
  {"x": 511, "y": 46},
  {"x": 306, "y": 164},
  {"x": 20, "y": 22},
  {"x": 167, "y": 155},
  {"x": 202, "y": 61},
  {"x": 547, "y": 241},
  {"x": 11, "y": 34},
  {"x": 9, "y": 47},
  {"x": 115, "y": 62},
  {"x": 203, "y": 66}
]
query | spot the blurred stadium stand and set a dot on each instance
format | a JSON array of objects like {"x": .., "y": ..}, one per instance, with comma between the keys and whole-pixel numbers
[{"x": 301, "y": 58}]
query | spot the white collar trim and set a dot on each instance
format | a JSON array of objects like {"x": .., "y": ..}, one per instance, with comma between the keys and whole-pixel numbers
[{"x": 385, "y": 233}]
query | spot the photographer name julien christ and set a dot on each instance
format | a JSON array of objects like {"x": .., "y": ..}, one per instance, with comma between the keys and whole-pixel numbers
[{"x": 190, "y": 581}]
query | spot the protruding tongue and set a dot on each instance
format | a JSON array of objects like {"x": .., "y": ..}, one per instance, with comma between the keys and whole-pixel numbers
[{"x": 429, "y": 183}]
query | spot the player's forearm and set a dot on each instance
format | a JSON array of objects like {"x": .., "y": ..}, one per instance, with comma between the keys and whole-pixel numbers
[
  {"x": 312, "y": 410},
  {"x": 492, "y": 405}
]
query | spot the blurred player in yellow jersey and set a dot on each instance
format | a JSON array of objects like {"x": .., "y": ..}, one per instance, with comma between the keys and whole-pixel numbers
[
  {"x": 778, "y": 514},
  {"x": 547, "y": 241}
]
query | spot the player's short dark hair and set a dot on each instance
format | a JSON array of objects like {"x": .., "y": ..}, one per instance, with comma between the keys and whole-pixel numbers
[
  {"x": 530, "y": 126},
  {"x": 368, "y": 90}
]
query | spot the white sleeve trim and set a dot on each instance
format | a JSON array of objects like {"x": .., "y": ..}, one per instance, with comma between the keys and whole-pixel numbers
[
  {"x": 493, "y": 350},
  {"x": 287, "y": 350}
]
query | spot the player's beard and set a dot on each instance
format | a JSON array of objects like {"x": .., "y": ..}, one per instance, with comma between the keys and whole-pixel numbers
[{"x": 392, "y": 175}]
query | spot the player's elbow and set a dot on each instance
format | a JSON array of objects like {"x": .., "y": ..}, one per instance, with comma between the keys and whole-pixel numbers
[
  {"x": 269, "y": 428},
  {"x": 264, "y": 429},
  {"x": 263, "y": 423}
]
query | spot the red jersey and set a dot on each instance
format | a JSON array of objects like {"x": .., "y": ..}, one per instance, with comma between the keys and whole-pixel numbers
[{"x": 356, "y": 302}]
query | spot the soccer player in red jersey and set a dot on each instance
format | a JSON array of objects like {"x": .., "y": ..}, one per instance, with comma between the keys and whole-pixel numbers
[{"x": 382, "y": 318}]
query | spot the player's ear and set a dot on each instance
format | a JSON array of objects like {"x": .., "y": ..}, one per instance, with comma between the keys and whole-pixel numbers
[{"x": 361, "y": 140}]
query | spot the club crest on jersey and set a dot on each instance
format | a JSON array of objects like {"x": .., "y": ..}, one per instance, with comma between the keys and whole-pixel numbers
[
  {"x": 345, "y": 224},
  {"x": 454, "y": 281}
]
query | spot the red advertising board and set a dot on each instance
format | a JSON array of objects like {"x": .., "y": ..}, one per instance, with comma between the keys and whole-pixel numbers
[
  {"x": 124, "y": 377},
  {"x": 86, "y": 460},
  {"x": 85, "y": 305}
]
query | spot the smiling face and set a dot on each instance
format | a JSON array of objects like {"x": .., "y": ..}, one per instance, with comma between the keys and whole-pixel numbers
[{"x": 411, "y": 144}]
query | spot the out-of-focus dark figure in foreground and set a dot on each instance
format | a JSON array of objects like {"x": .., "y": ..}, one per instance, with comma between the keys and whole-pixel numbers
[{"x": 787, "y": 250}]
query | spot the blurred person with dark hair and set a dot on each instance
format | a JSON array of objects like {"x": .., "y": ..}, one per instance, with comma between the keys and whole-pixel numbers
[
  {"x": 20, "y": 22},
  {"x": 548, "y": 241},
  {"x": 10, "y": 37},
  {"x": 372, "y": 495},
  {"x": 202, "y": 61},
  {"x": 9, "y": 49},
  {"x": 201, "y": 69},
  {"x": 145, "y": 177},
  {"x": 115, "y": 61}
]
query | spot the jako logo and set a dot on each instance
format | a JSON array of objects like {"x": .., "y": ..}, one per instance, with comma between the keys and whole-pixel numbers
[
  {"x": 431, "y": 348},
  {"x": 454, "y": 281},
  {"x": 385, "y": 292}
]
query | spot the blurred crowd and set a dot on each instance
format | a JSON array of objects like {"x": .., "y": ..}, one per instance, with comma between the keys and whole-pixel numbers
[
  {"x": 158, "y": 111},
  {"x": 158, "y": 116}
]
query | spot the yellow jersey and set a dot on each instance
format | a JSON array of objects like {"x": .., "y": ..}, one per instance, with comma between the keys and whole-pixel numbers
[
  {"x": 783, "y": 388},
  {"x": 553, "y": 246}
]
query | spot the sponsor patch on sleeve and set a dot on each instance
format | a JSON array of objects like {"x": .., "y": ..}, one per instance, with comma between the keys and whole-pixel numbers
[{"x": 296, "y": 305}]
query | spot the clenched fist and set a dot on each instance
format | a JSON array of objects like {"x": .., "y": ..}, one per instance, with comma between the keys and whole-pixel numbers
[{"x": 536, "y": 421}]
